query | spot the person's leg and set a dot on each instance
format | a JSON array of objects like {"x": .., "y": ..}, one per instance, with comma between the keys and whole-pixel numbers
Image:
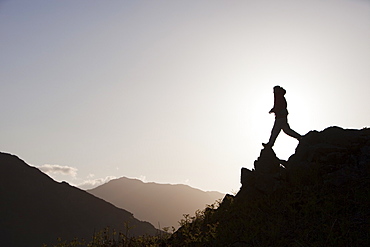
[
  {"x": 275, "y": 131},
  {"x": 287, "y": 130}
]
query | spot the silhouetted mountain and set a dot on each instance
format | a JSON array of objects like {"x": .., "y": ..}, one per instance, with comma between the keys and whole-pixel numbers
[
  {"x": 161, "y": 204},
  {"x": 319, "y": 197},
  {"x": 34, "y": 209}
]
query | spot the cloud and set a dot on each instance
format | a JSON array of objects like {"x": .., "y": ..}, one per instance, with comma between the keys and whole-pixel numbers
[
  {"x": 92, "y": 183},
  {"x": 143, "y": 178},
  {"x": 53, "y": 169}
]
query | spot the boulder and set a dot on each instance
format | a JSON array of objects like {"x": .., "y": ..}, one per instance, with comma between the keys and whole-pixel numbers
[{"x": 330, "y": 157}]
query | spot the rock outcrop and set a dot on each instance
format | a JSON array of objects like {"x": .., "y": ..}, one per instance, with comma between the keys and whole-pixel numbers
[
  {"x": 318, "y": 197},
  {"x": 333, "y": 156}
]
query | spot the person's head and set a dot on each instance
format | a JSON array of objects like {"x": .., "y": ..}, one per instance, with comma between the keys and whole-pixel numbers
[{"x": 279, "y": 90}]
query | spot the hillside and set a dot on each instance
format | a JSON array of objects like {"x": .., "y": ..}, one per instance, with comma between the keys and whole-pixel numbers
[
  {"x": 161, "y": 204},
  {"x": 35, "y": 209},
  {"x": 319, "y": 197}
]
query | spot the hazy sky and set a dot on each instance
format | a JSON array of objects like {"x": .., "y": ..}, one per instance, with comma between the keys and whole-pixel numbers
[{"x": 174, "y": 91}]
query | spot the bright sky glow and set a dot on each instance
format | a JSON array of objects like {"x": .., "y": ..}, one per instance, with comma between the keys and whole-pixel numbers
[{"x": 175, "y": 91}]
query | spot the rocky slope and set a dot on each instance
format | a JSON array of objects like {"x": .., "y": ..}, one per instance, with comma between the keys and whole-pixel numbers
[
  {"x": 333, "y": 156},
  {"x": 319, "y": 197},
  {"x": 34, "y": 209}
]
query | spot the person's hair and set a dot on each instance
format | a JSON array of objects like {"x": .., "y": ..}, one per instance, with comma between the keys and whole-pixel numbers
[{"x": 279, "y": 89}]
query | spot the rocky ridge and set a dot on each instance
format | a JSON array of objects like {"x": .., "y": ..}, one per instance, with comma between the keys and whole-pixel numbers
[
  {"x": 333, "y": 156},
  {"x": 318, "y": 197}
]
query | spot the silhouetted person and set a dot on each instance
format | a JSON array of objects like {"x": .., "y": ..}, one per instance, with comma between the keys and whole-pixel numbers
[{"x": 281, "y": 117}]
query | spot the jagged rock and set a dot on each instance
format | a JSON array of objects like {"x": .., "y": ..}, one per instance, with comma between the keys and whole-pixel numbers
[
  {"x": 333, "y": 156},
  {"x": 247, "y": 178},
  {"x": 267, "y": 162},
  {"x": 319, "y": 198},
  {"x": 226, "y": 201},
  {"x": 266, "y": 176},
  {"x": 268, "y": 182},
  {"x": 342, "y": 176}
]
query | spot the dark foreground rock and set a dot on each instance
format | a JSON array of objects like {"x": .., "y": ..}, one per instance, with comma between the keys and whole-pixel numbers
[
  {"x": 333, "y": 156},
  {"x": 320, "y": 196}
]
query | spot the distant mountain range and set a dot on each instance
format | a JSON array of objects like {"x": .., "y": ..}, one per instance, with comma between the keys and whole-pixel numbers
[
  {"x": 35, "y": 209},
  {"x": 163, "y": 205}
]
